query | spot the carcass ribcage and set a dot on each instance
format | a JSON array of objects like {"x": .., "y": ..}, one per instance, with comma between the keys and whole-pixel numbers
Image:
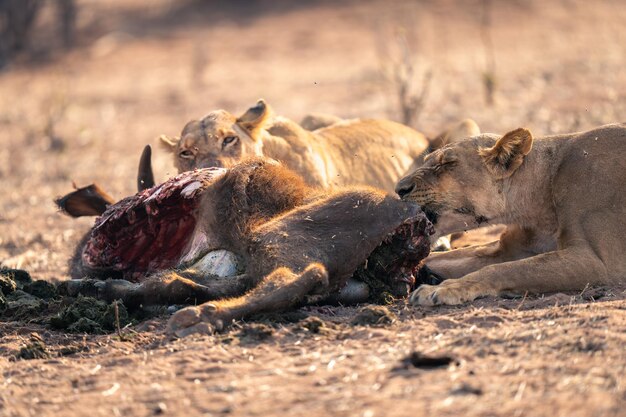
[{"x": 149, "y": 231}]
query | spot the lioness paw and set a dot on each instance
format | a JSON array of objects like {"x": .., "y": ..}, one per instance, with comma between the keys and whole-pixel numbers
[
  {"x": 451, "y": 292},
  {"x": 202, "y": 319}
]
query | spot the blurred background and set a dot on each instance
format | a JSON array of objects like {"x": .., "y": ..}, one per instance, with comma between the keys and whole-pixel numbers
[{"x": 85, "y": 84}]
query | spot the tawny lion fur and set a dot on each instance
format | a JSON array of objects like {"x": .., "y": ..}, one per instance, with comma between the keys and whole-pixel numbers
[
  {"x": 561, "y": 196},
  {"x": 339, "y": 152}
]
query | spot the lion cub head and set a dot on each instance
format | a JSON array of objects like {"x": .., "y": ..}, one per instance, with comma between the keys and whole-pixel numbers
[
  {"x": 460, "y": 186},
  {"x": 219, "y": 139}
]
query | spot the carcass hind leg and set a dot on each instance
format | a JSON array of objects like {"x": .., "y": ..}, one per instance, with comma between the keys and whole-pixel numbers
[
  {"x": 164, "y": 288},
  {"x": 279, "y": 291}
]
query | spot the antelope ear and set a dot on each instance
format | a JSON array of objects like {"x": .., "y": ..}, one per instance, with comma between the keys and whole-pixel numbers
[
  {"x": 254, "y": 119},
  {"x": 86, "y": 201},
  {"x": 169, "y": 143},
  {"x": 508, "y": 153}
]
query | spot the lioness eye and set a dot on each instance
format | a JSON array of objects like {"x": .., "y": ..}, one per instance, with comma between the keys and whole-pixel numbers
[
  {"x": 228, "y": 140},
  {"x": 439, "y": 168},
  {"x": 186, "y": 154}
]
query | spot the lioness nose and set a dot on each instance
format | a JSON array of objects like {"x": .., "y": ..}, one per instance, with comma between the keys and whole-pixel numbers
[{"x": 404, "y": 189}]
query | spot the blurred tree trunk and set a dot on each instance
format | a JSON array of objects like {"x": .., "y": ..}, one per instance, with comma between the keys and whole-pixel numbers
[
  {"x": 16, "y": 20},
  {"x": 67, "y": 19},
  {"x": 16, "y": 23}
]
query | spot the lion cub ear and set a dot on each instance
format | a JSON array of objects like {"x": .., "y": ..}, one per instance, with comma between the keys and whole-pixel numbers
[
  {"x": 254, "y": 119},
  {"x": 508, "y": 153},
  {"x": 169, "y": 143}
]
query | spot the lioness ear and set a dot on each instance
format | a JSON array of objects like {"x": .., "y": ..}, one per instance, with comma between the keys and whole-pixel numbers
[
  {"x": 255, "y": 117},
  {"x": 169, "y": 143},
  {"x": 508, "y": 153},
  {"x": 462, "y": 130}
]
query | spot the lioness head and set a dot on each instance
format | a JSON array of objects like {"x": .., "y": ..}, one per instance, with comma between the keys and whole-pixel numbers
[
  {"x": 460, "y": 186},
  {"x": 219, "y": 139}
]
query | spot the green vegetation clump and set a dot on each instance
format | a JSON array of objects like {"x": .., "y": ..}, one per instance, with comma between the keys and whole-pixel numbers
[{"x": 89, "y": 315}]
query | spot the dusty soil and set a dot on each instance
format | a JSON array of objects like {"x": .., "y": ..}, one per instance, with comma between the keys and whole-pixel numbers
[{"x": 144, "y": 68}]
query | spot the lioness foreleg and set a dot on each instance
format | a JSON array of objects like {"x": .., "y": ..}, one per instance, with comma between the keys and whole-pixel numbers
[
  {"x": 280, "y": 290},
  {"x": 460, "y": 262},
  {"x": 567, "y": 269},
  {"x": 515, "y": 243}
]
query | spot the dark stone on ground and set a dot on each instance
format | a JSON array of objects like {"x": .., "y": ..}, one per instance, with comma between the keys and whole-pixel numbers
[
  {"x": 34, "y": 349},
  {"x": 373, "y": 316},
  {"x": 421, "y": 361},
  {"x": 255, "y": 332},
  {"x": 314, "y": 325}
]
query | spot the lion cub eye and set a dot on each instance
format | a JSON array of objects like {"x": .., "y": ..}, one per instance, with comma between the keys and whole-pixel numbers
[
  {"x": 228, "y": 140},
  {"x": 187, "y": 154}
]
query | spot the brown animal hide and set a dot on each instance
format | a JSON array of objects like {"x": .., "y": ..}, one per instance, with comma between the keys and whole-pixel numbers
[
  {"x": 85, "y": 201},
  {"x": 298, "y": 245}
]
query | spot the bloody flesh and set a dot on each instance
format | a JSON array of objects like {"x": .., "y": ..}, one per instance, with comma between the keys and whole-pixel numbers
[{"x": 149, "y": 231}]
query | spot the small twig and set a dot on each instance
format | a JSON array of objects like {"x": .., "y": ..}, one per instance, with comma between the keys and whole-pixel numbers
[
  {"x": 584, "y": 289},
  {"x": 523, "y": 299},
  {"x": 399, "y": 70},
  {"x": 117, "y": 319},
  {"x": 489, "y": 75}
]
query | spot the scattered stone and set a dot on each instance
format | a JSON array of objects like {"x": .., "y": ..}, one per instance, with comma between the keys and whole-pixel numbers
[
  {"x": 314, "y": 325},
  {"x": 173, "y": 309},
  {"x": 3, "y": 302},
  {"x": 72, "y": 349},
  {"x": 418, "y": 360},
  {"x": 589, "y": 346},
  {"x": 465, "y": 389},
  {"x": 161, "y": 408},
  {"x": 34, "y": 349},
  {"x": 255, "y": 332},
  {"x": 373, "y": 316}
]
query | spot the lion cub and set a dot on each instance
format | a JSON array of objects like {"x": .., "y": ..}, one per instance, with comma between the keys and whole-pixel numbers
[
  {"x": 562, "y": 197},
  {"x": 341, "y": 152}
]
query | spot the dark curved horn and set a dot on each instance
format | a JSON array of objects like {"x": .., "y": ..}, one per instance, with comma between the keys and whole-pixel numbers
[{"x": 145, "y": 177}]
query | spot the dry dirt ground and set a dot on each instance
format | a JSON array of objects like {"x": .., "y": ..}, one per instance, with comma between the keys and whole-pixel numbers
[{"x": 142, "y": 68}]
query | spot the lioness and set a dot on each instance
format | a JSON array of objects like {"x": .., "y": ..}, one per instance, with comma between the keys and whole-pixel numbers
[
  {"x": 296, "y": 244},
  {"x": 344, "y": 152},
  {"x": 562, "y": 197}
]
